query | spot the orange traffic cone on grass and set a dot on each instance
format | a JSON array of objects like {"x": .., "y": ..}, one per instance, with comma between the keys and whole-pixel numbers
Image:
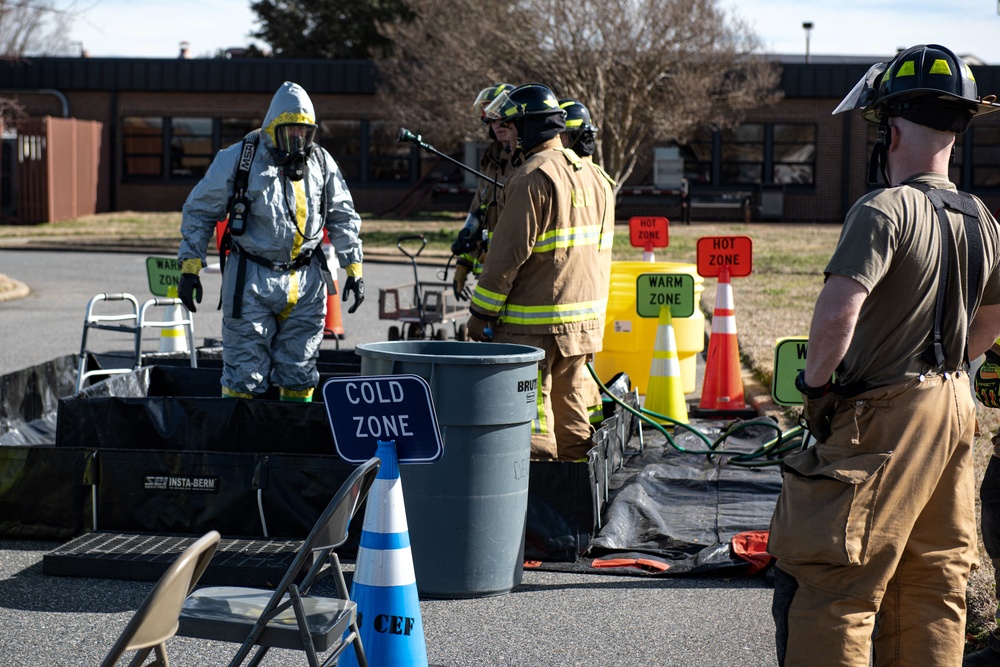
[
  {"x": 665, "y": 392},
  {"x": 722, "y": 388}
]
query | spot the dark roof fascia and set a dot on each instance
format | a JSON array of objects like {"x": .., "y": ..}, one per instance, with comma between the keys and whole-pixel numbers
[
  {"x": 207, "y": 75},
  {"x": 835, "y": 80}
]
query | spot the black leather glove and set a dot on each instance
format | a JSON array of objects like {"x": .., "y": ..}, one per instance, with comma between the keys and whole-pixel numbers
[
  {"x": 458, "y": 282},
  {"x": 818, "y": 413},
  {"x": 357, "y": 286},
  {"x": 480, "y": 330},
  {"x": 189, "y": 290}
]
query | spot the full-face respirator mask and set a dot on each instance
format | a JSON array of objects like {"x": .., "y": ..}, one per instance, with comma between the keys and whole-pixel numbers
[{"x": 295, "y": 144}]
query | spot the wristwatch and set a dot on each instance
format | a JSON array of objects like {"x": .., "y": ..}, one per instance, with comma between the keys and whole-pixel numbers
[{"x": 806, "y": 390}]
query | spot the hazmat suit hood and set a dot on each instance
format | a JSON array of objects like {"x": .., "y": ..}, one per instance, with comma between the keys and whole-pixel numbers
[{"x": 290, "y": 104}]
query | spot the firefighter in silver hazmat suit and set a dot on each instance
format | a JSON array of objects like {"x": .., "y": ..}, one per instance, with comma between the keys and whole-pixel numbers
[{"x": 275, "y": 280}]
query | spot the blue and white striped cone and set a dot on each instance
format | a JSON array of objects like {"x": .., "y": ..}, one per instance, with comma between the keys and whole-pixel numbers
[{"x": 384, "y": 585}]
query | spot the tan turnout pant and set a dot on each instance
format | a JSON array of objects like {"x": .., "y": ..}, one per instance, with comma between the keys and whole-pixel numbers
[{"x": 880, "y": 518}]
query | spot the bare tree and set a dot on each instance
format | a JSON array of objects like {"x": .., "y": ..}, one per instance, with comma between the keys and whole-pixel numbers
[
  {"x": 33, "y": 27},
  {"x": 646, "y": 69}
]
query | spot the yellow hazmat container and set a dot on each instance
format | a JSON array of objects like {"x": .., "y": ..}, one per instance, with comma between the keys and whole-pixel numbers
[{"x": 629, "y": 339}]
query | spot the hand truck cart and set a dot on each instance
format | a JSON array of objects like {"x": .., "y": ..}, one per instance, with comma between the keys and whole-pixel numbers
[{"x": 423, "y": 307}]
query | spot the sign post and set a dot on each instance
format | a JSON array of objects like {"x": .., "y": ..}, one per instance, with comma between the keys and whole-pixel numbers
[{"x": 364, "y": 410}]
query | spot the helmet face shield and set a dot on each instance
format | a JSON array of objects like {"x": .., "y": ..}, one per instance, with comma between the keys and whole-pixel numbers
[
  {"x": 501, "y": 108},
  {"x": 863, "y": 92},
  {"x": 292, "y": 138}
]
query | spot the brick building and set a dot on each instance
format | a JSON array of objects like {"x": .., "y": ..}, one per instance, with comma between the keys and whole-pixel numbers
[{"x": 164, "y": 119}]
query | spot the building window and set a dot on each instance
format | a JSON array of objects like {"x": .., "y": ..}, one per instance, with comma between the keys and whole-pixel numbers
[
  {"x": 233, "y": 130},
  {"x": 142, "y": 142},
  {"x": 367, "y": 151},
  {"x": 743, "y": 155},
  {"x": 794, "y": 154},
  {"x": 985, "y": 156},
  {"x": 191, "y": 147},
  {"x": 697, "y": 155},
  {"x": 750, "y": 154},
  {"x": 342, "y": 139},
  {"x": 390, "y": 158}
]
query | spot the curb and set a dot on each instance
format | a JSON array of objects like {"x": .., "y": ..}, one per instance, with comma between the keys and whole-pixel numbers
[{"x": 19, "y": 291}]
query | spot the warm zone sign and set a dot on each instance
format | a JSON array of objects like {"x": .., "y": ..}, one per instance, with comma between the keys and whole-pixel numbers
[
  {"x": 789, "y": 359},
  {"x": 164, "y": 274},
  {"x": 675, "y": 290}
]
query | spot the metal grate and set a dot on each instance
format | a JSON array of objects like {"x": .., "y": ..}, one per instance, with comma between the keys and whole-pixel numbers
[{"x": 145, "y": 557}]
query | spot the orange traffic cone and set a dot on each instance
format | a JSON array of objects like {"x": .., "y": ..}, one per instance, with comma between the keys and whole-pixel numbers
[
  {"x": 722, "y": 389},
  {"x": 334, "y": 326},
  {"x": 664, "y": 392}
]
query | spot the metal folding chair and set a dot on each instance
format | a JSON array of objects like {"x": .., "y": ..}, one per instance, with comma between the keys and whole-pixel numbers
[
  {"x": 290, "y": 617},
  {"x": 155, "y": 621}
]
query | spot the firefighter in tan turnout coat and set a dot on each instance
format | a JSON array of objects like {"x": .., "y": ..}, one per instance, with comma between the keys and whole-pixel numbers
[{"x": 542, "y": 283}]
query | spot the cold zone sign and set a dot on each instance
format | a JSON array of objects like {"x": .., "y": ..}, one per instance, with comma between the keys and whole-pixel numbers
[{"x": 364, "y": 410}]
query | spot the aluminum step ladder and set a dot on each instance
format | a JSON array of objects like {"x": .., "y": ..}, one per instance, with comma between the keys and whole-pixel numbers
[{"x": 133, "y": 321}]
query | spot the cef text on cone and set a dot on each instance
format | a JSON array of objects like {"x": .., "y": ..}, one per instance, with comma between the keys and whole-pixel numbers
[
  {"x": 722, "y": 388},
  {"x": 665, "y": 390},
  {"x": 384, "y": 585}
]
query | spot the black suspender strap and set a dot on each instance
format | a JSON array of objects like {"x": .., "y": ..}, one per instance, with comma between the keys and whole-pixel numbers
[{"x": 966, "y": 205}]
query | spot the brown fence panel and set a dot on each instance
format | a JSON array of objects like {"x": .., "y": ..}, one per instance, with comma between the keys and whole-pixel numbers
[{"x": 57, "y": 171}]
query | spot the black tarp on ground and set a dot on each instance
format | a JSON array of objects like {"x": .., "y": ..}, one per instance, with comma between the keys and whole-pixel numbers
[{"x": 677, "y": 513}]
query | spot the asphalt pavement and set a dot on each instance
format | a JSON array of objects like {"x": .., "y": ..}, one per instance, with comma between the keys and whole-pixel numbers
[{"x": 552, "y": 619}]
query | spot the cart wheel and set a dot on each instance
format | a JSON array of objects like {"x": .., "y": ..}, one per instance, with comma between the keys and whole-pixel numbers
[
  {"x": 463, "y": 332},
  {"x": 415, "y": 331},
  {"x": 394, "y": 333},
  {"x": 440, "y": 334}
]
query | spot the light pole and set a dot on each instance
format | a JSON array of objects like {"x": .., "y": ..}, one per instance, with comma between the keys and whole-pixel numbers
[{"x": 807, "y": 26}]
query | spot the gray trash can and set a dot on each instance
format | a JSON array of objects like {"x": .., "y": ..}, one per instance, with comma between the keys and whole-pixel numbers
[{"x": 466, "y": 512}]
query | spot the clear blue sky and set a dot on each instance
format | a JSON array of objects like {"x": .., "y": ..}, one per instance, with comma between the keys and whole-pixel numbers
[{"x": 154, "y": 28}]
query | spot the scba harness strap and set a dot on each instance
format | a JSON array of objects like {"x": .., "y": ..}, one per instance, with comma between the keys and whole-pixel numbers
[{"x": 238, "y": 209}]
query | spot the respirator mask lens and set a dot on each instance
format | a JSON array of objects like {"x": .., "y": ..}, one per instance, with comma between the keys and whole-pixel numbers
[
  {"x": 294, "y": 138},
  {"x": 295, "y": 142}
]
